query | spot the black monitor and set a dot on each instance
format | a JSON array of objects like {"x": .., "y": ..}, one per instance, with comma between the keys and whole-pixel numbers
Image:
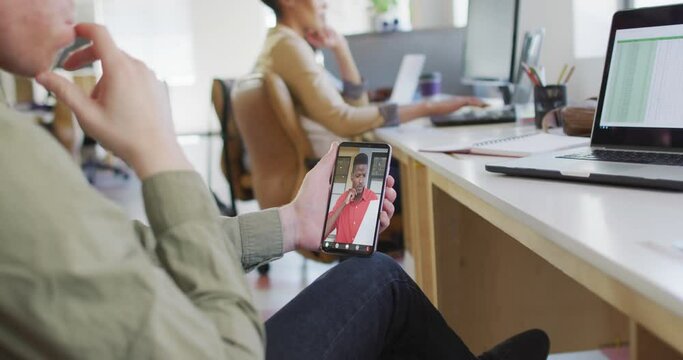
[{"x": 490, "y": 42}]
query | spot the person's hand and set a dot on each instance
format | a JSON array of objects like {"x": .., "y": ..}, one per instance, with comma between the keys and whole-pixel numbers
[
  {"x": 326, "y": 38},
  {"x": 128, "y": 112},
  {"x": 453, "y": 103},
  {"x": 350, "y": 196},
  {"x": 303, "y": 219}
]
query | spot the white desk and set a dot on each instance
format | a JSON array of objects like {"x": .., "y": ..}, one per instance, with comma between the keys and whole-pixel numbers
[{"x": 590, "y": 264}]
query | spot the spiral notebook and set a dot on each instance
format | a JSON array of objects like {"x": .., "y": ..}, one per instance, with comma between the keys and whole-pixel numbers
[{"x": 516, "y": 146}]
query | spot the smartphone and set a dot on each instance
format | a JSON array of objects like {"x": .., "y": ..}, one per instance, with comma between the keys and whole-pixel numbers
[{"x": 355, "y": 200}]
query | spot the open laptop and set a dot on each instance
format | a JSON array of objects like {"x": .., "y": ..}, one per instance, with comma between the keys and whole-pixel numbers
[
  {"x": 407, "y": 79},
  {"x": 637, "y": 134}
]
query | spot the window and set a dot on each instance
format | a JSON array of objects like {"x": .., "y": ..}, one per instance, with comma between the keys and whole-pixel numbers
[
  {"x": 646, "y": 3},
  {"x": 592, "y": 21},
  {"x": 158, "y": 32},
  {"x": 271, "y": 19},
  {"x": 460, "y": 9}
]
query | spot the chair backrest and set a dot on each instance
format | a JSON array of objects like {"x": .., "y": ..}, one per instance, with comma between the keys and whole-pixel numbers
[
  {"x": 277, "y": 145},
  {"x": 232, "y": 156}
]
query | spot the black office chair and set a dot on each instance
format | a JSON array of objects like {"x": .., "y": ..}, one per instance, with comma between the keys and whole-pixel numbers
[{"x": 232, "y": 155}]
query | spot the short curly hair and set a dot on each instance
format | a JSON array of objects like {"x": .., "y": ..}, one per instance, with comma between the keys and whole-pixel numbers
[
  {"x": 273, "y": 4},
  {"x": 360, "y": 159}
]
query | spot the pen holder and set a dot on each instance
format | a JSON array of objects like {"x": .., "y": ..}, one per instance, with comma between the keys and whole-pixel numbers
[{"x": 547, "y": 98}]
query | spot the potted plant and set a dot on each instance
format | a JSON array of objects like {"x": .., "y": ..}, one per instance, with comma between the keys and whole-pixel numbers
[
  {"x": 385, "y": 17},
  {"x": 383, "y": 6}
]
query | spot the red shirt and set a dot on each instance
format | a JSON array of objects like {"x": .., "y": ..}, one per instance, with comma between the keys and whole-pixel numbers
[{"x": 349, "y": 220}]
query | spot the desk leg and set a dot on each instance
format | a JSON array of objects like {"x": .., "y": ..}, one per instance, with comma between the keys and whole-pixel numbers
[
  {"x": 419, "y": 230},
  {"x": 490, "y": 286},
  {"x": 409, "y": 223},
  {"x": 645, "y": 346}
]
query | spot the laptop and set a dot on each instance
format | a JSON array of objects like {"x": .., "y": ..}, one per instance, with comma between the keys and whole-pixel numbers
[
  {"x": 407, "y": 79},
  {"x": 637, "y": 137}
]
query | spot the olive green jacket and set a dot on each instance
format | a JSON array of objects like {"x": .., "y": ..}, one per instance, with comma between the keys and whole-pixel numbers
[{"x": 78, "y": 279}]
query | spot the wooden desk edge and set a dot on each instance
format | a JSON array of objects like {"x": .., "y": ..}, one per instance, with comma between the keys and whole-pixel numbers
[{"x": 662, "y": 322}]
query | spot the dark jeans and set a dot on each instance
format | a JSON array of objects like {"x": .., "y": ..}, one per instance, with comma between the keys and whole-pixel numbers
[{"x": 363, "y": 308}]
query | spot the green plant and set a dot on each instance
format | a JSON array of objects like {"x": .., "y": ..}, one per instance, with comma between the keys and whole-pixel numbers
[{"x": 382, "y": 6}]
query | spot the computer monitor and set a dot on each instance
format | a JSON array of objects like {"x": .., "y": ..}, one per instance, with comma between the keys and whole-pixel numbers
[{"x": 490, "y": 42}]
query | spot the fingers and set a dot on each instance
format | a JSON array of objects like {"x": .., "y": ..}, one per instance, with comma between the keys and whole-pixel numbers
[
  {"x": 384, "y": 221},
  {"x": 80, "y": 58},
  {"x": 86, "y": 110},
  {"x": 390, "y": 194},
  {"x": 390, "y": 181},
  {"x": 352, "y": 194},
  {"x": 103, "y": 46},
  {"x": 314, "y": 38},
  {"x": 473, "y": 101},
  {"x": 389, "y": 208}
]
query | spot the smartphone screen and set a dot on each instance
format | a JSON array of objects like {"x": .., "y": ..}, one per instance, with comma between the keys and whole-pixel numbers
[{"x": 355, "y": 200}]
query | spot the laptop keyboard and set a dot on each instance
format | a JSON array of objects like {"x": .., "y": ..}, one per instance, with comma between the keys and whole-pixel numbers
[
  {"x": 473, "y": 116},
  {"x": 637, "y": 157}
]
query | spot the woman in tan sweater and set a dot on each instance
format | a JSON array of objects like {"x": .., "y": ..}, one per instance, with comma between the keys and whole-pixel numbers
[{"x": 326, "y": 114}]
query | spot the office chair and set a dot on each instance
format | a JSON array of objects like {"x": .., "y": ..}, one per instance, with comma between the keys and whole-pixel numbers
[
  {"x": 279, "y": 151},
  {"x": 232, "y": 155}
]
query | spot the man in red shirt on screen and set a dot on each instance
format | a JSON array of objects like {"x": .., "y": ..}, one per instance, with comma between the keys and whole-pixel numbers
[{"x": 349, "y": 211}]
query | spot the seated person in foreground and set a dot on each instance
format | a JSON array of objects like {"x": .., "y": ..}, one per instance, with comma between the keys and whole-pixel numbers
[
  {"x": 80, "y": 280},
  {"x": 326, "y": 114},
  {"x": 349, "y": 211}
]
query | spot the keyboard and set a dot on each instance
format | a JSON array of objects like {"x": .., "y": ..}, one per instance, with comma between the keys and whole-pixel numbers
[
  {"x": 636, "y": 157},
  {"x": 471, "y": 115}
]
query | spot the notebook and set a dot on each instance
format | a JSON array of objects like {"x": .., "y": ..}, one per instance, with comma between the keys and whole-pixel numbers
[{"x": 516, "y": 146}]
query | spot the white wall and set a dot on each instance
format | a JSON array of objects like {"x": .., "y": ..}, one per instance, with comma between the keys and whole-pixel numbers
[
  {"x": 349, "y": 16},
  {"x": 427, "y": 14},
  {"x": 558, "y": 46},
  {"x": 227, "y": 37},
  {"x": 555, "y": 16}
]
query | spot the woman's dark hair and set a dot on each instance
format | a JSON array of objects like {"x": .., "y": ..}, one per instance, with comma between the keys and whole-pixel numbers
[{"x": 273, "y": 5}]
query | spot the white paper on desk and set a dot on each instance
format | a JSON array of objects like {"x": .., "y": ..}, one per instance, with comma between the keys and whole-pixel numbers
[
  {"x": 366, "y": 231},
  {"x": 516, "y": 146}
]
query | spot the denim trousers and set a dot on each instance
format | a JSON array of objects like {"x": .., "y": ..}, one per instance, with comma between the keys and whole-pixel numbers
[{"x": 363, "y": 308}]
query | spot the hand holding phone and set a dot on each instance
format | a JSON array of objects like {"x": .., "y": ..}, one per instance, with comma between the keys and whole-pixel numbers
[{"x": 356, "y": 197}]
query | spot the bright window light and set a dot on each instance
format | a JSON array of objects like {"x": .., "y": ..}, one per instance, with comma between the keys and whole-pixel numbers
[
  {"x": 460, "y": 9},
  {"x": 646, "y": 3},
  {"x": 158, "y": 32},
  {"x": 271, "y": 19}
]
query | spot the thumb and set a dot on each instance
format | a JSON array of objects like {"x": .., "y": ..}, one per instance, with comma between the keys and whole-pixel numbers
[
  {"x": 87, "y": 112},
  {"x": 326, "y": 163}
]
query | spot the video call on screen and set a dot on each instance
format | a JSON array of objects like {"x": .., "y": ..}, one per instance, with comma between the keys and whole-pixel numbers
[{"x": 357, "y": 186}]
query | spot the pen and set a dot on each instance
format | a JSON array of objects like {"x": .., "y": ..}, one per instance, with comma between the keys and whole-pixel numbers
[
  {"x": 564, "y": 70},
  {"x": 530, "y": 74},
  {"x": 569, "y": 76},
  {"x": 538, "y": 77}
]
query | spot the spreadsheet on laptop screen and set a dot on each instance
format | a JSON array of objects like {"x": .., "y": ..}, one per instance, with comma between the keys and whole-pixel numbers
[{"x": 645, "y": 82}]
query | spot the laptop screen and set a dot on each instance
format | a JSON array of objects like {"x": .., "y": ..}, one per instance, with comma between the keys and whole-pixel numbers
[
  {"x": 641, "y": 103},
  {"x": 645, "y": 85}
]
